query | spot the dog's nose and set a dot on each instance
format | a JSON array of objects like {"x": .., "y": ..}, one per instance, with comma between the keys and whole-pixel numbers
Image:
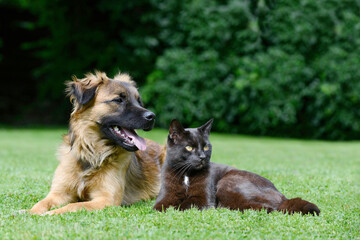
[{"x": 149, "y": 116}]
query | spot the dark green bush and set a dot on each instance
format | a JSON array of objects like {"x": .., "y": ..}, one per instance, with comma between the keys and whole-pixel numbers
[
  {"x": 266, "y": 67},
  {"x": 79, "y": 37},
  {"x": 283, "y": 68}
]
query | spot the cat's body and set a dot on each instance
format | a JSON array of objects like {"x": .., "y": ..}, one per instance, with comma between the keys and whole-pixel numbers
[{"x": 190, "y": 179}]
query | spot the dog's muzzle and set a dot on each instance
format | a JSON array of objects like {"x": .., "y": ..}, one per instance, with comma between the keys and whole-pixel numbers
[{"x": 150, "y": 119}]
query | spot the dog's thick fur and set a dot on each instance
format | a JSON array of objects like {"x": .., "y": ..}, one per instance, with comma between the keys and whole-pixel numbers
[{"x": 96, "y": 168}]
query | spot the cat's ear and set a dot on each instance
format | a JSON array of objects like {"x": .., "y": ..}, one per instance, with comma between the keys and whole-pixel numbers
[
  {"x": 206, "y": 127},
  {"x": 176, "y": 130}
]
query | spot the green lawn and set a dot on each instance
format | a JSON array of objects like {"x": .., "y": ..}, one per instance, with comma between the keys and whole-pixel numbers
[{"x": 325, "y": 173}]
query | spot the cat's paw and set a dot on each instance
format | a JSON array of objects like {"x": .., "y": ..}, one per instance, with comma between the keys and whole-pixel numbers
[{"x": 160, "y": 208}]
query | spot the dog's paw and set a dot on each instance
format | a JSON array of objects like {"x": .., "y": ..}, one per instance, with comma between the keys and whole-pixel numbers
[
  {"x": 48, "y": 213},
  {"x": 23, "y": 211}
]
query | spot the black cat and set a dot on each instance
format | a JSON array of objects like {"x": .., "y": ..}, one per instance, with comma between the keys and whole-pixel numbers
[{"x": 189, "y": 179}]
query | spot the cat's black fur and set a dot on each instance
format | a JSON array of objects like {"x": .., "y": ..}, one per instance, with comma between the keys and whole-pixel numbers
[{"x": 189, "y": 179}]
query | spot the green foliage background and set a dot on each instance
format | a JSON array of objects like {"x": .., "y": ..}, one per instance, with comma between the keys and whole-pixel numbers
[{"x": 264, "y": 67}]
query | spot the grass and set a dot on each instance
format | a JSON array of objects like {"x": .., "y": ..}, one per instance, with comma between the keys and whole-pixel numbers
[{"x": 326, "y": 173}]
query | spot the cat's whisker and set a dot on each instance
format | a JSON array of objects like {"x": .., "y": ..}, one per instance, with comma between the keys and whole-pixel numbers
[
  {"x": 180, "y": 170},
  {"x": 185, "y": 170},
  {"x": 176, "y": 172}
]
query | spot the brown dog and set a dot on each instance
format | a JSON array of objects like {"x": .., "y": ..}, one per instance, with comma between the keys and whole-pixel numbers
[{"x": 100, "y": 164}]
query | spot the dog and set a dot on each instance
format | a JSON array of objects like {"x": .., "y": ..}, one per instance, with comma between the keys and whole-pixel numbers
[{"x": 102, "y": 160}]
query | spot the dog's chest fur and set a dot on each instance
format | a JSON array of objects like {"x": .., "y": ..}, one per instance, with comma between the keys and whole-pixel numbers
[
  {"x": 86, "y": 176},
  {"x": 141, "y": 171}
]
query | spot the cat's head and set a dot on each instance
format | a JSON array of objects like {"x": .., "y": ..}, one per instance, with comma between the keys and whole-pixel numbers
[{"x": 188, "y": 149}]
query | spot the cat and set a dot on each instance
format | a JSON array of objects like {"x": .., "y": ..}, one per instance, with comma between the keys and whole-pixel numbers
[{"x": 189, "y": 179}]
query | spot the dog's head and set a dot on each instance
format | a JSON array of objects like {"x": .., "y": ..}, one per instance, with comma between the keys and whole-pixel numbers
[{"x": 114, "y": 105}]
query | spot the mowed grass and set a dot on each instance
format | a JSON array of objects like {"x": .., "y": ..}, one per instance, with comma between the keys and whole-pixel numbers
[{"x": 325, "y": 173}]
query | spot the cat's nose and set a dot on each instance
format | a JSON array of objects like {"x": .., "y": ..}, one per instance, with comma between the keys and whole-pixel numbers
[{"x": 202, "y": 157}]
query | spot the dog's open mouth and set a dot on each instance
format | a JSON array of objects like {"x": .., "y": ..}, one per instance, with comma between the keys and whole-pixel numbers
[{"x": 129, "y": 137}]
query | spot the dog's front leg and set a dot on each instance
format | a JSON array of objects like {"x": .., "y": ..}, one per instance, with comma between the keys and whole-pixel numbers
[
  {"x": 51, "y": 200},
  {"x": 99, "y": 200},
  {"x": 107, "y": 189},
  {"x": 95, "y": 204},
  {"x": 61, "y": 192}
]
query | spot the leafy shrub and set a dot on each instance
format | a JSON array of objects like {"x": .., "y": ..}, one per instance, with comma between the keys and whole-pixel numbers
[
  {"x": 280, "y": 68},
  {"x": 79, "y": 37},
  {"x": 266, "y": 67}
]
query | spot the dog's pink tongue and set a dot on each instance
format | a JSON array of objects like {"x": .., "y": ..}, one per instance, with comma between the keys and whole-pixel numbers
[{"x": 138, "y": 141}]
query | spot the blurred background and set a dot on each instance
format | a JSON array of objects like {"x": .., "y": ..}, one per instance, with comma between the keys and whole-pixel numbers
[{"x": 258, "y": 67}]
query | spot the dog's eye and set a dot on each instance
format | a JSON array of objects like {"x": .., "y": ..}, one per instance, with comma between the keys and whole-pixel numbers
[
  {"x": 189, "y": 148},
  {"x": 118, "y": 100},
  {"x": 140, "y": 102}
]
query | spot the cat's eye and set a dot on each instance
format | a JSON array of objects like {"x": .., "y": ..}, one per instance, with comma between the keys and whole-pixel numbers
[
  {"x": 206, "y": 148},
  {"x": 189, "y": 148}
]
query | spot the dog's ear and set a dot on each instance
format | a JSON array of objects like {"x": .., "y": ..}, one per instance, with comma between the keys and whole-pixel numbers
[
  {"x": 82, "y": 91},
  {"x": 176, "y": 131},
  {"x": 206, "y": 127}
]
